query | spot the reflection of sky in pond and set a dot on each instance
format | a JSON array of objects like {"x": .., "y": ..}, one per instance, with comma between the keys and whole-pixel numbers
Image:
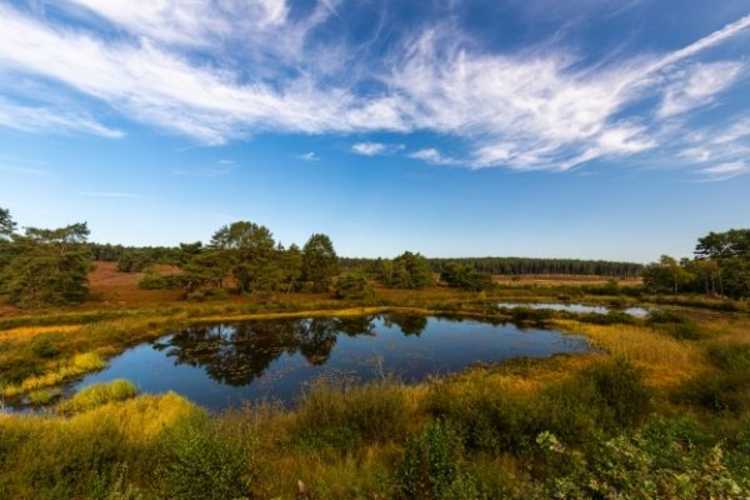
[
  {"x": 638, "y": 312},
  {"x": 223, "y": 365}
]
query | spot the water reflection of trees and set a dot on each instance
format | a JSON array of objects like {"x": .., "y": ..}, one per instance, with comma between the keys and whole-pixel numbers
[
  {"x": 238, "y": 354},
  {"x": 408, "y": 323}
]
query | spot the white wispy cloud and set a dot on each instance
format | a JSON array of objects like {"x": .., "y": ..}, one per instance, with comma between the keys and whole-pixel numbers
[
  {"x": 432, "y": 155},
  {"x": 45, "y": 119},
  {"x": 529, "y": 110},
  {"x": 698, "y": 86},
  {"x": 375, "y": 148},
  {"x": 311, "y": 156},
  {"x": 725, "y": 171}
]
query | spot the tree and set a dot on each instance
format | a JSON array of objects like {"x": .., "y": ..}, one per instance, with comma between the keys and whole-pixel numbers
[
  {"x": 409, "y": 271},
  {"x": 187, "y": 251},
  {"x": 251, "y": 250},
  {"x": 49, "y": 267},
  {"x": 733, "y": 243},
  {"x": 667, "y": 276},
  {"x": 291, "y": 267},
  {"x": 207, "y": 269},
  {"x": 319, "y": 262},
  {"x": 7, "y": 226},
  {"x": 353, "y": 286},
  {"x": 466, "y": 277}
]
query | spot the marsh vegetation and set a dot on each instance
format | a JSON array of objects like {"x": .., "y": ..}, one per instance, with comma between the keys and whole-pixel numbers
[{"x": 656, "y": 406}]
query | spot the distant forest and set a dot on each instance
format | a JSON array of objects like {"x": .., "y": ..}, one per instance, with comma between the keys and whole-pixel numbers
[
  {"x": 515, "y": 266},
  {"x": 523, "y": 266}
]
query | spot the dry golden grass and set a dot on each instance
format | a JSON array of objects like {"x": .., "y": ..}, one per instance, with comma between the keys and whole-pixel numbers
[
  {"x": 667, "y": 361},
  {"x": 29, "y": 332},
  {"x": 78, "y": 365}
]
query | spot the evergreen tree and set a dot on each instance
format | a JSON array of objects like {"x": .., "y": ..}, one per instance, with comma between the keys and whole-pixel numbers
[
  {"x": 49, "y": 267},
  {"x": 319, "y": 262},
  {"x": 408, "y": 271},
  {"x": 251, "y": 251}
]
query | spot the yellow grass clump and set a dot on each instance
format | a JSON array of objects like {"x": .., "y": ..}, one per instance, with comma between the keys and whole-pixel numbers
[
  {"x": 98, "y": 395},
  {"x": 28, "y": 332},
  {"x": 78, "y": 365},
  {"x": 666, "y": 360}
]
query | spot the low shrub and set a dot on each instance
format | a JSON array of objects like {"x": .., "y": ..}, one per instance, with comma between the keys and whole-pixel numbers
[
  {"x": 620, "y": 387},
  {"x": 529, "y": 315},
  {"x": 674, "y": 325},
  {"x": 45, "y": 346},
  {"x": 203, "y": 461},
  {"x": 98, "y": 395},
  {"x": 431, "y": 468},
  {"x": 156, "y": 281},
  {"x": 719, "y": 392},
  {"x": 730, "y": 357},
  {"x": 353, "y": 286},
  {"x": 632, "y": 466},
  {"x": 340, "y": 416},
  {"x": 603, "y": 399},
  {"x": 611, "y": 318}
]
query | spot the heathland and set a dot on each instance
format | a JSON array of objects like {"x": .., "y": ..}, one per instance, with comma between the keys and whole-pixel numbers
[{"x": 658, "y": 408}]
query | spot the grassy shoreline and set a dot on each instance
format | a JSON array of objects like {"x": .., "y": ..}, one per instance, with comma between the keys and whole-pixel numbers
[{"x": 663, "y": 402}]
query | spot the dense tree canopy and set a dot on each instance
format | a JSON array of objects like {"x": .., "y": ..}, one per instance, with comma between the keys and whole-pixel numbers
[
  {"x": 248, "y": 254},
  {"x": 319, "y": 262},
  {"x": 458, "y": 275},
  {"x": 47, "y": 266},
  {"x": 407, "y": 271},
  {"x": 721, "y": 266},
  {"x": 518, "y": 266},
  {"x": 251, "y": 254}
]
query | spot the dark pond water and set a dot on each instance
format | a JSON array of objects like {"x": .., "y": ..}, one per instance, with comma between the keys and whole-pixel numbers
[
  {"x": 224, "y": 365},
  {"x": 637, "y": 312}
]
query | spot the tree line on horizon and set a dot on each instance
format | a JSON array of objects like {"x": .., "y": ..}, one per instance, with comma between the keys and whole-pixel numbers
[
  {"x": 522, "y": 266},
  {"x": 51, "y": 266},
  {"x": 133, "y": 258}
]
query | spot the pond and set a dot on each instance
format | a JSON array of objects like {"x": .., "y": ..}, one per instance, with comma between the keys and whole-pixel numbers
[
  {"x": 224, "y": 365},
  {"x": 636, "y": 312}
]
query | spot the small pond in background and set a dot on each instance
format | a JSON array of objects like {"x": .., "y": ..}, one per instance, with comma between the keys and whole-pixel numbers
[
  {"x": 224, "y": 365},
  {"x": 636, "y": 312}
]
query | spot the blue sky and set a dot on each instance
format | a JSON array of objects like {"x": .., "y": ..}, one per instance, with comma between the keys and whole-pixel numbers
[{"x": 589, "y": 129}]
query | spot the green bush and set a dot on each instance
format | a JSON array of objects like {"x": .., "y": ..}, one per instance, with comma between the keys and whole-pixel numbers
[
  {"x": 430, "y": 467},
  {"x": 621, "y": 389},
  {"x": 529, "y": 315},
  {"x": 730, "y": 357},
  {"x": 718, "y": 393},
  {"x": 202, "y": 462},
  {"x": 340, "y": 416},
  {"x": 353, "y": 286},
  {"x": 638, "y": 466},
  {"x": 155, "y": 281},
  {"x": 600, "y": 400},
  {"x": 611, "y": 318},
  {"x": 44, "y": 346}
]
